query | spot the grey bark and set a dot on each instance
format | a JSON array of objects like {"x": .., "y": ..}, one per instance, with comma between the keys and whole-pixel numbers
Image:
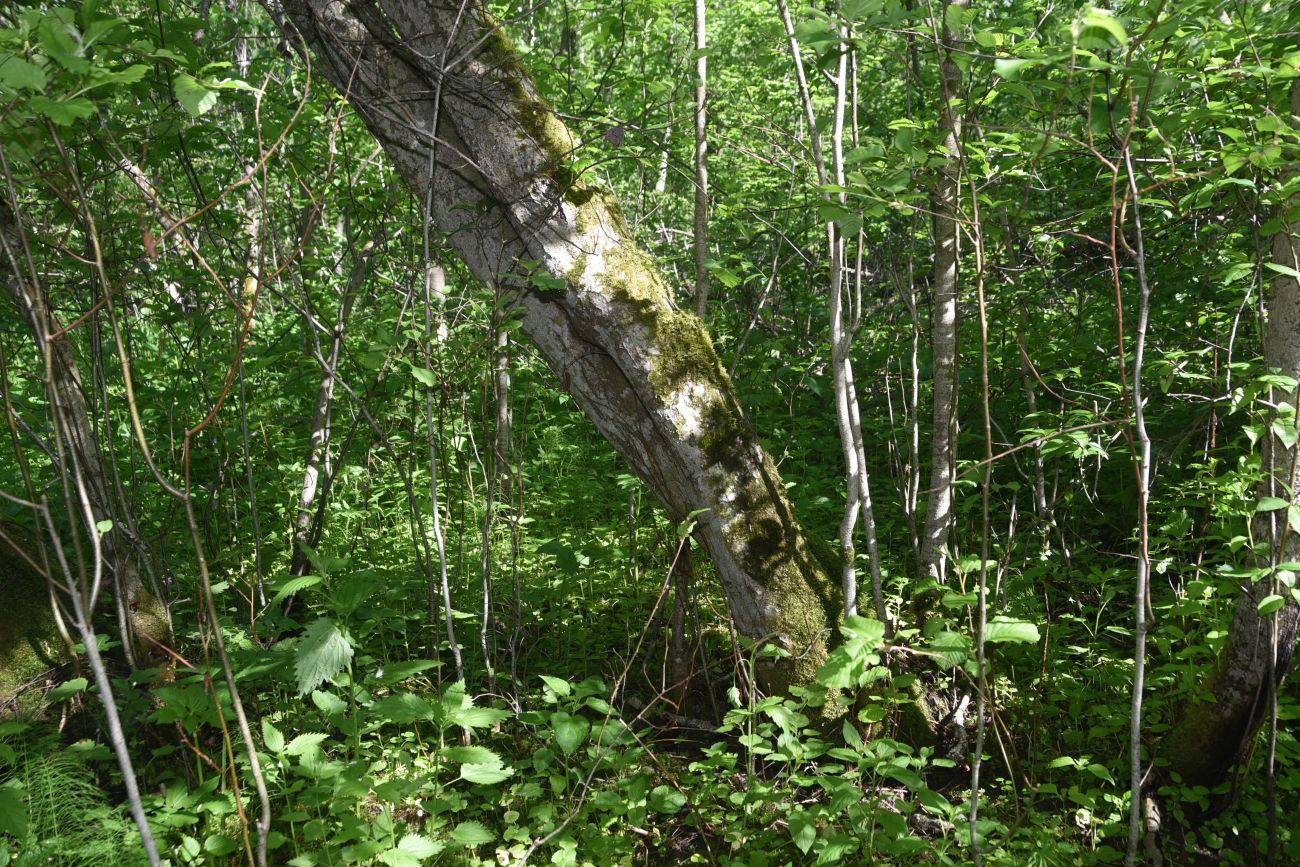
[
  {"x": 594, "y": 304},
  {"x": 701, "y": 164},
  {"x": 1214, "y": 735},
  {"x": 943, "y": 324}
]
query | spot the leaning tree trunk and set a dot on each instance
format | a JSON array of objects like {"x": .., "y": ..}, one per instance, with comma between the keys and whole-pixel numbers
[
  {"x": 1213, "y": 735},
  {"x": 142, "y": 615},
  {"x": 443, "y": 90}
]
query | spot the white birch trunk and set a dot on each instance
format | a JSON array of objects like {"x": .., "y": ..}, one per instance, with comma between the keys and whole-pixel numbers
[{"x": 594, "y": 305}]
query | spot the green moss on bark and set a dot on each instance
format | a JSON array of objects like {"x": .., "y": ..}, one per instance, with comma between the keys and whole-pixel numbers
[{"x": 30, "y": 644}]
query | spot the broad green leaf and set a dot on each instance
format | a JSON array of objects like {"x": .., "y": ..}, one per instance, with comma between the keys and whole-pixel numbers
[
  {"x": 419, "y": 846},
  {"x": 304, "y": 742},
  {"x": 294, "y": 585},
  {"x": 323, "y": 652},
  {"x": 1270, "y": 504},
  {"x": 1004, "y": 629},
  {"x": 328, "y": 702},
  {"x": 67, "y": 689},
  {"x": 570, "y": 731},
  {"x": 13, "y": 812},
  {"x": 19, "y": 74},
  {"x": 485, "y": 773},
  {"x": 472, "y": 834},
  {"x": 193, "y": 96},
  {"x": 1106, "y": 20},
  {"x": 477, "y": 717},
  {"x": 559, "y": 686},
  {"x": 1010, "y": 67},
  {"x": 423, "y": 376},
  {"x": 803, "y": 830},
  {"x": 666, "y": 800},
  {"x": 869, "y": 631},
  {"x": 1270, "y": 603},
  {"x": 952, "y": 648},
  {"x": 272, "y": 737},
  {"x": 403, "y": 708},
  {"x": 219, "y": 844},
  {"x": 64, "y": 112}
]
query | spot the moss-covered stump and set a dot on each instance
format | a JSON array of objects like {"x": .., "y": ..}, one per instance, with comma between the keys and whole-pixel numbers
[{"x": 31, "y": 649}]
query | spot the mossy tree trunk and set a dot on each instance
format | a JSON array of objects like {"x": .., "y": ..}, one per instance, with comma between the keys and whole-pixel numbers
[
  {"x": 1213, "y": 735},
  {"x": 139, "y": 613},
  {"x": 443, "y": 90}
]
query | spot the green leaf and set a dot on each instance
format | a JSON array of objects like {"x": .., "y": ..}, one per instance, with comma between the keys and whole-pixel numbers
[
  {"x": 423, "y": 376},
  {"x": 1004, "y": 629},
  {"x": 272, "y": 737},
  {"x": 1009, "y": 67},
  {"x": 63, "y": 112},
  {"x": 67, "y": 689},
  {"x": 869, "y": 631},
  {"x": 219, "y": 844},
  {"x": 570, "y": 731},
  {"x": 293, "y": 585},
  {"x": 19, "y": 74},
  {"x": 103, "y": 527},
  {"x": 952, "y": 648},
  {"x": 666, "y": 800},
  {"x": 328, "y": 702},
  {"x": 1269, "y": 604},
  {"x": 323, "y": 652},
  {"x": 1104, "y": 19},
  {"x": 304, "y": 742},
  {"x": 485, "y": 773},
  {"x": 559, "y": 686},
  {"x": 13, "y": 812},
  {"x": 1285, "y": 270},
  {"x": 469, "y": 754},
  {"x": 471, "y": 834},
  {"x": 1270, "y": 504},
  {"x": 419, "y": 847},
  {"x": 803, "y": 830},
  {"x": 403, "y": 708},
  {"x": 193, "y": 96}
]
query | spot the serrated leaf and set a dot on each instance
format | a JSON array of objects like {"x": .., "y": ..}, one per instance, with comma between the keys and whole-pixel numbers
[
  {"x": 419, "y": 846},
  {"x": 323, "y": 652},
  {"x": 403, "y": 708},
  {"x": 304, "y": 742},
  {"x": 952, "y": 649},
  {"x": 328, "y": 702},
  {"x": 193, "y": 96},
  {"x": 477, "y": 717},
  {"x": 63, "y": 112},
  {"x": 867, "y": 630},
  {"x": 1269, "y": 604},
  {"x": 1004, "y": 629},
  {"x": 472, "y": 834},
  {"x": 19, "y": 74},
  {"x": 293, "y": 585},
  {"x": 272, "y": 737},
  {"x": 486, "y": 773},
  {"x": 570, "y": 731}
]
